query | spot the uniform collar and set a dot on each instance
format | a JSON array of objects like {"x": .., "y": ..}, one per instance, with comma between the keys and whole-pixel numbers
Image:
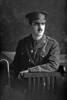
[{"x": 40, "y": 42}]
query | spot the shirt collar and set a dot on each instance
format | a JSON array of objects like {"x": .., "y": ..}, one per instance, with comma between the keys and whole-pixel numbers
[{"x": 40, "y": 42}]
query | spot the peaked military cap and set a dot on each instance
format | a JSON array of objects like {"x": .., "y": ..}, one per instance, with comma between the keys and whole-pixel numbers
[{"x": 37, "y": 16}]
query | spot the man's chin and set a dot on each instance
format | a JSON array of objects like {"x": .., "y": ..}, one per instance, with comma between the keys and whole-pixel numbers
[{"x": 39, "y": 37}]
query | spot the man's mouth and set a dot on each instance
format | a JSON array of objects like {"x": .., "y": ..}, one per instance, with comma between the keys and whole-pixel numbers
[{"x": 40, "y": 31}]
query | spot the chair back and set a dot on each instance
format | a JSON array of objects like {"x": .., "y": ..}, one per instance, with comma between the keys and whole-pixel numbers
[
  {"x": 4, "y": 72},
  {"x": 42, "y": 81}
]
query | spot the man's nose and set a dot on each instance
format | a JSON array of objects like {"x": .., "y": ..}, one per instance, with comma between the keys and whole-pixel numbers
[{"x": 39, "y": 28}]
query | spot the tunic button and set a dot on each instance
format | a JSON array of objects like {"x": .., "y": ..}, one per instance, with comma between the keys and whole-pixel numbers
[
  {"x": 29, "y": 60},
  {"x": 43, "y": 56},
  {"x": 31, "y": 51}
]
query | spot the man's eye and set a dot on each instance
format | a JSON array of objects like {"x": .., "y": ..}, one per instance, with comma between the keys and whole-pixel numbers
[
  {"x": 38, "y": 23},
  {"x": 35, "y": 23},
  {"x": 42, "y": 23}
]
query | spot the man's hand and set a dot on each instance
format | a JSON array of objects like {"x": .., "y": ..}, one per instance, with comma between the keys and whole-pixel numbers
[
  {"x": 38, "y": 69},
  {"x": 21, "y": 74},
  {"x": 34, "y": 69}
]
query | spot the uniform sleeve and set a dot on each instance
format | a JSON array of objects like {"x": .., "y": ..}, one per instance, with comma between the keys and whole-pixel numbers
[
  {"x": 14, "y": 67},
  {"x": 17, "y": 55},
  {"x": 53, "y": 60}
]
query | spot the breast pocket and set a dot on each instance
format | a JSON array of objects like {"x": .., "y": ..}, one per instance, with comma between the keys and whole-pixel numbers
[{"x": 42, "y": 55}]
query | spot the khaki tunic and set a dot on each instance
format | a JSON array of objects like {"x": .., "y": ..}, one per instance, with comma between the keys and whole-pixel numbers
[{"x": 43, "y": 55}]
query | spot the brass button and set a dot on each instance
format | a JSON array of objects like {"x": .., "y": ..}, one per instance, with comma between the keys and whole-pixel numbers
[
  {"x": 29, "y": 60},
  {"x": 42, "y": 56},
  {"x": 31, "y": 51},
  {"x": 44, "y": 84}
]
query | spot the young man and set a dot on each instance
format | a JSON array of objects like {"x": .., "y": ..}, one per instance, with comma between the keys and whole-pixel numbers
[{"x": 37, "y": 52}]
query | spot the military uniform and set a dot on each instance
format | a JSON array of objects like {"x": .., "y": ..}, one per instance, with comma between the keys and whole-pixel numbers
[
  {"x": 42, "y": 55},
  {"x": 35, "y": 53}
]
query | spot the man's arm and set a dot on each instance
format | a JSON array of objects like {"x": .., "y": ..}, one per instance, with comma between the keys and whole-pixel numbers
[
  {"x": 53, "y": 60},
  {"x": 14, "y": 67}
]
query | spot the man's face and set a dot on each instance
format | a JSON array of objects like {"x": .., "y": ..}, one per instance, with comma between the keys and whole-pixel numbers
[{"x": 38, "y": 30}]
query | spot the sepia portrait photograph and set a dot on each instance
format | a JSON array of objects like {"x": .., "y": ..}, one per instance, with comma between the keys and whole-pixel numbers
[{"x": 33, "y": 49}]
